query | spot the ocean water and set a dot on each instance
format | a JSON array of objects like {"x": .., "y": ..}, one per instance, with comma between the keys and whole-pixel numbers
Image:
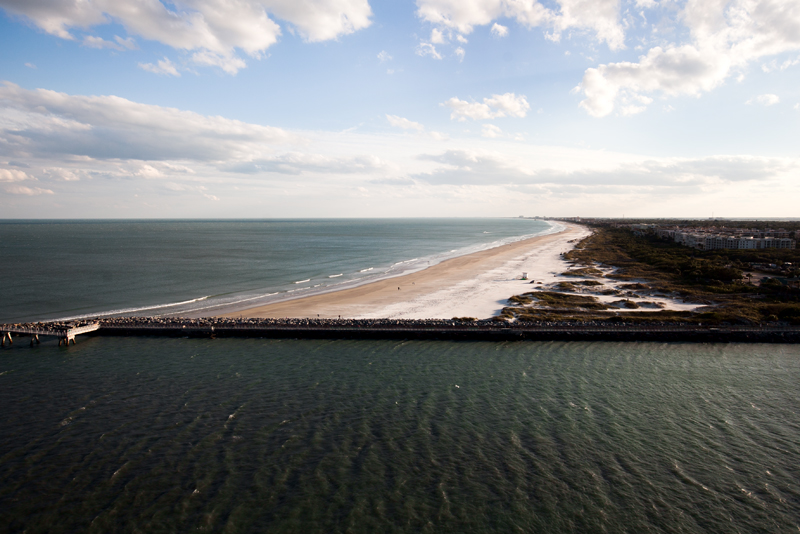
[
  {"x": 254, "y": 435},
  {"x": 68, "y": 269},
  {"x": 250, "y": 435}
]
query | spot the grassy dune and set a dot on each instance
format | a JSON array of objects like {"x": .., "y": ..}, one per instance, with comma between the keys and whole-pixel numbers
[{"x": 715, "y": 277}]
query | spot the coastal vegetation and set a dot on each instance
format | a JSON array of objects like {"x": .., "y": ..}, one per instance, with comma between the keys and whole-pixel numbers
[
  {"x": 583, "y": 271},
  {"x": 728, "y": 283}
]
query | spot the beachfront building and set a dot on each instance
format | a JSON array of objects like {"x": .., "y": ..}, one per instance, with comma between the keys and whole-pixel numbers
[{"x": 713, "y": 241}]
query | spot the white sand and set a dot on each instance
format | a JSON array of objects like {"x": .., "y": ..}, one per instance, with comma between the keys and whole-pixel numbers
[
  {"x": 486, "y": 294},
  {"x": 476, "y": 285}
]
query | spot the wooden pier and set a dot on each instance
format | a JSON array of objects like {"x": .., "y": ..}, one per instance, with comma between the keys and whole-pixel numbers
[{"x": 65, "y": 334}]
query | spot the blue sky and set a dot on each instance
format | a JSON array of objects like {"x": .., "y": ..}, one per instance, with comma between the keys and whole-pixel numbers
[{"x": 337, "y": 108}]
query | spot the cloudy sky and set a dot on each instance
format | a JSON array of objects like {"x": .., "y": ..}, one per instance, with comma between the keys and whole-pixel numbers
[{"x": 360, "y": 108}]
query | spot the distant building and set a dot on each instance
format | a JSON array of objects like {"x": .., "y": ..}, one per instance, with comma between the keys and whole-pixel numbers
[{"x": 708, "y": 241}]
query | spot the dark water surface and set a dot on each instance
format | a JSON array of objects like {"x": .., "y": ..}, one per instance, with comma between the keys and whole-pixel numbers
[{"x": 180, "y": 435}]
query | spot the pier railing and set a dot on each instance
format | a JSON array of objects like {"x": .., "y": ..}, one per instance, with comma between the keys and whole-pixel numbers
[{"x": 64, "y": 333}]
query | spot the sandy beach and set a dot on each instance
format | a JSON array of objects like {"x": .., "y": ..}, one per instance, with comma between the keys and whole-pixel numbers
[{"x": 474, "y": 285}]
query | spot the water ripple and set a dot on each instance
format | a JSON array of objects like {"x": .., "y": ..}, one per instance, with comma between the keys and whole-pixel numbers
[{"x": 334, "y": 436}]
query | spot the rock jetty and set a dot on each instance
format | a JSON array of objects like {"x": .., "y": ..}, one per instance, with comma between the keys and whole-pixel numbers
[{"x": 442, "y": 329}]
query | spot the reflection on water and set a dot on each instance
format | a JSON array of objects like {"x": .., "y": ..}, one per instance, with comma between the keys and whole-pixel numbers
[{"x": 165, "y": 435}]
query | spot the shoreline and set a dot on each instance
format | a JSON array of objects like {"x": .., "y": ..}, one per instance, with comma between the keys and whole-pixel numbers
[{"x": 473, "y": 285}]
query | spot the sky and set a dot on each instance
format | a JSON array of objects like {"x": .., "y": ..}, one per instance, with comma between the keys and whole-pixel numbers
[{"x": 395, "y": 108}]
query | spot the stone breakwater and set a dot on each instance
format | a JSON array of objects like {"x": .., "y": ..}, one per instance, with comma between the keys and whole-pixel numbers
[{"x": 482, "y": 330}]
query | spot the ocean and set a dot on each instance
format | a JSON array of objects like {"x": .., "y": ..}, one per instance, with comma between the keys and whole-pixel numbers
[
  {"x": 75, "y": 269},
  {"x": 250, "y": 435},
  {"x": 256, "y": 435}
]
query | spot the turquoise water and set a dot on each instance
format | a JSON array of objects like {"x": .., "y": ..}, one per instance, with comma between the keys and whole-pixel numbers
[
  {"x": 63, "y": 269},
  {"x": 180, "y": 435}
]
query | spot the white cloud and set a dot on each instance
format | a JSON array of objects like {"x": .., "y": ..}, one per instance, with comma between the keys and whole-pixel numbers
[
  {"x": 509, "y": 104},
  {"x": 765, "y": 100},
  {"x": 213, "y": 28},
  {"x": 498, "y": 30},
  {"x": 227, "y": 62},
  {"x": 427, "y": 49},
  {"x": 59, "y": 173},
  {"x": 30, "y": 65},
  {"x": 12, "y": 175},
  {"x": 148, "y": 172},
  {"x": 491, "y": 131},
  {"x": 164, "y": 66},
  {"x": 476, "y": 167},
  {"x": 600, "y": 16},
  {"x": 796, "y": 106},
  {"x": 440, "y": 37},
  {"x": 384, "y": 56},
  {"x": 675, "y": 71},
  {"x": 405, "y": 124},
  {"x": 634, "y": 104},
  {"x": 29, "y": 191},
  {"x": 101, "y": 143},
  {"x": 47, "y": 123},
  {"x": 190, "y": 188},
  {"x": 296, "y": 163},
  {"x": 725, "y": 35},
  {"x": 129, "y": 43},
  {"x": 91, "y": 41},
  {"x": 463, "y": 109},
  {"x": 505, "y": 105},
  {"x": 773, "y": 65}
]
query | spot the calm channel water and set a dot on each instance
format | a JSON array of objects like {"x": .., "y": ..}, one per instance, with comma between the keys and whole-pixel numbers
[{"x": 236, "y": 435}]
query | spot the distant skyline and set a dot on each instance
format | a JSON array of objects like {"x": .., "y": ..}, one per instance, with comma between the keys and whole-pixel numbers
[{"x": 350, "y": 108}]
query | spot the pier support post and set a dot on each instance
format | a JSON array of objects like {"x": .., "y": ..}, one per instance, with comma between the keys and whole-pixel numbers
[{"x": 7, "y": 335}]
